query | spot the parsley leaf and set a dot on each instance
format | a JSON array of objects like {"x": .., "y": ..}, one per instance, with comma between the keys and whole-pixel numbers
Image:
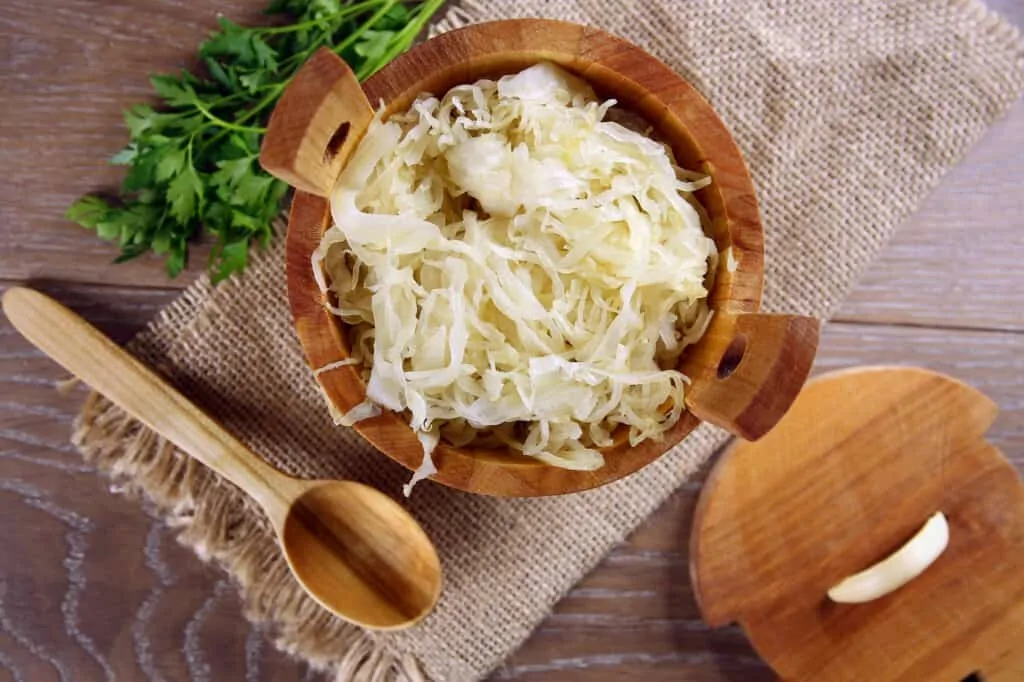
[
  {"x": 171, "y": 163},
  {"x": 185, "y": 194},
  {"x": 192, "y": 163},
  {"x": 177, "y": 93}
]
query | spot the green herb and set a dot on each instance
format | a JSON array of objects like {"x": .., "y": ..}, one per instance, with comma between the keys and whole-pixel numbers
[{"x": 192, "y": 163}]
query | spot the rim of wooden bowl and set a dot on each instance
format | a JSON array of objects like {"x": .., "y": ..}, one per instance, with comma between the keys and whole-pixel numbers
[{"x": 679, "y": 116}]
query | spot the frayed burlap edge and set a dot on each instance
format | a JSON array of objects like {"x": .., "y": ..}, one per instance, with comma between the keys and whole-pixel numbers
[
  {"x": 220, "y": 524},
  {"x": 223, "y": 525},
  {"x": 474, "y": 11}
]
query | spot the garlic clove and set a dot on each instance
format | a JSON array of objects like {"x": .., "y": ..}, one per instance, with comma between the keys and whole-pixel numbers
[{"x": 899, "y": 568}]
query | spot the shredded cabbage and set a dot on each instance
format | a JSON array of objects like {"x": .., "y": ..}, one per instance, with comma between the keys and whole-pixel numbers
[{"x": 519, "y": 270}]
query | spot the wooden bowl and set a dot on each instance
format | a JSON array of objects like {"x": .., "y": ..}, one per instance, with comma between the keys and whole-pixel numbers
[{"x": 745, "y": 372}]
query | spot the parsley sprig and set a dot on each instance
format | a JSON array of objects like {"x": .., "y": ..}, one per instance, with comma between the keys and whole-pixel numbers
[{"x": 192, "y": 162}]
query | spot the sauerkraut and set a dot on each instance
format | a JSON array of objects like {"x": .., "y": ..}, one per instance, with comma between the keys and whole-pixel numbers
[{"x": 518, "y": 269}]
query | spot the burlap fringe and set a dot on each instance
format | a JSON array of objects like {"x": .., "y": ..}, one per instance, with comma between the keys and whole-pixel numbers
[
  {"x": 221, "y": 524},
  {"x": 464, "y": 13}
]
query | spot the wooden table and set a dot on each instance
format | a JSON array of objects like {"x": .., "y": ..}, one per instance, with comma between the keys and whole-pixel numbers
[{"x": 92, "y": 588}]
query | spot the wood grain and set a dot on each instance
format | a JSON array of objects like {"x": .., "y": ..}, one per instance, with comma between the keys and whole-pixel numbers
[
  {"x": 354, "y": 549},
  {"x": 319, "y": 121},
  {"x": 72, "y": 65},
  {"x": 851, "y": 472},
  {"x": 635, "y": 615},
  {"x": 103, "y": 70},
  {"x": 106, "y": 577}
]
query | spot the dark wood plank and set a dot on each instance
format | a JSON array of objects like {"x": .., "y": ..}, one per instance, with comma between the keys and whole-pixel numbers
[
  {"x": 957, "y": 261},
  {"x": 73, "y": 67},
  {"x": 65, "y": 88},
  {"x": 89, "y": 583},
  {"x": 634, "y": 616}
]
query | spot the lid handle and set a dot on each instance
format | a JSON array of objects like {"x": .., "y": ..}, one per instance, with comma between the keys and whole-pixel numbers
[{"x": 320, "y": 118}]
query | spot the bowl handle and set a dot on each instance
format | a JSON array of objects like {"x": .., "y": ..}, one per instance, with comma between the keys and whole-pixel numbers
[
  {"x": 750, "y": 386},
  {"x": 321, "y": 116}
]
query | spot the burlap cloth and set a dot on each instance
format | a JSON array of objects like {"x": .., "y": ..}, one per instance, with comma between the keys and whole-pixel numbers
[{"x": 847, "y": 112}]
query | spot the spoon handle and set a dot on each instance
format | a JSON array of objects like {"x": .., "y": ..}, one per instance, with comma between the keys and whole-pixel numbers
[{"x": 85, "y": 352}]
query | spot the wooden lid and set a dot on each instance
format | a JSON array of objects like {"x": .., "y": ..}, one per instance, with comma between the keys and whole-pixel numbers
[{"x": 854, "y": 469}]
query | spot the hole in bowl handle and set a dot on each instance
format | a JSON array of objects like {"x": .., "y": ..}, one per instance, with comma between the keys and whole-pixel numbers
[
  {"x": 750, "y": 385},
  {"x": 321, "y": 116},
  {"x": 732, "y": 357}
]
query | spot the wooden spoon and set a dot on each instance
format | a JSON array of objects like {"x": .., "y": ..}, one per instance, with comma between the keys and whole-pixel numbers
[{"x": 355, "y": 550}]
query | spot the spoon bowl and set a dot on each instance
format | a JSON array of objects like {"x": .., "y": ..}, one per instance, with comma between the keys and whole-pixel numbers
[
  {"x": 353, "y": 549},
  {"x": 327, "y": 536}
]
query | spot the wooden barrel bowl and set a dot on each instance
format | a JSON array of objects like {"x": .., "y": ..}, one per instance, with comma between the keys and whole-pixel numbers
[{"x": 745, "y": 371}]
